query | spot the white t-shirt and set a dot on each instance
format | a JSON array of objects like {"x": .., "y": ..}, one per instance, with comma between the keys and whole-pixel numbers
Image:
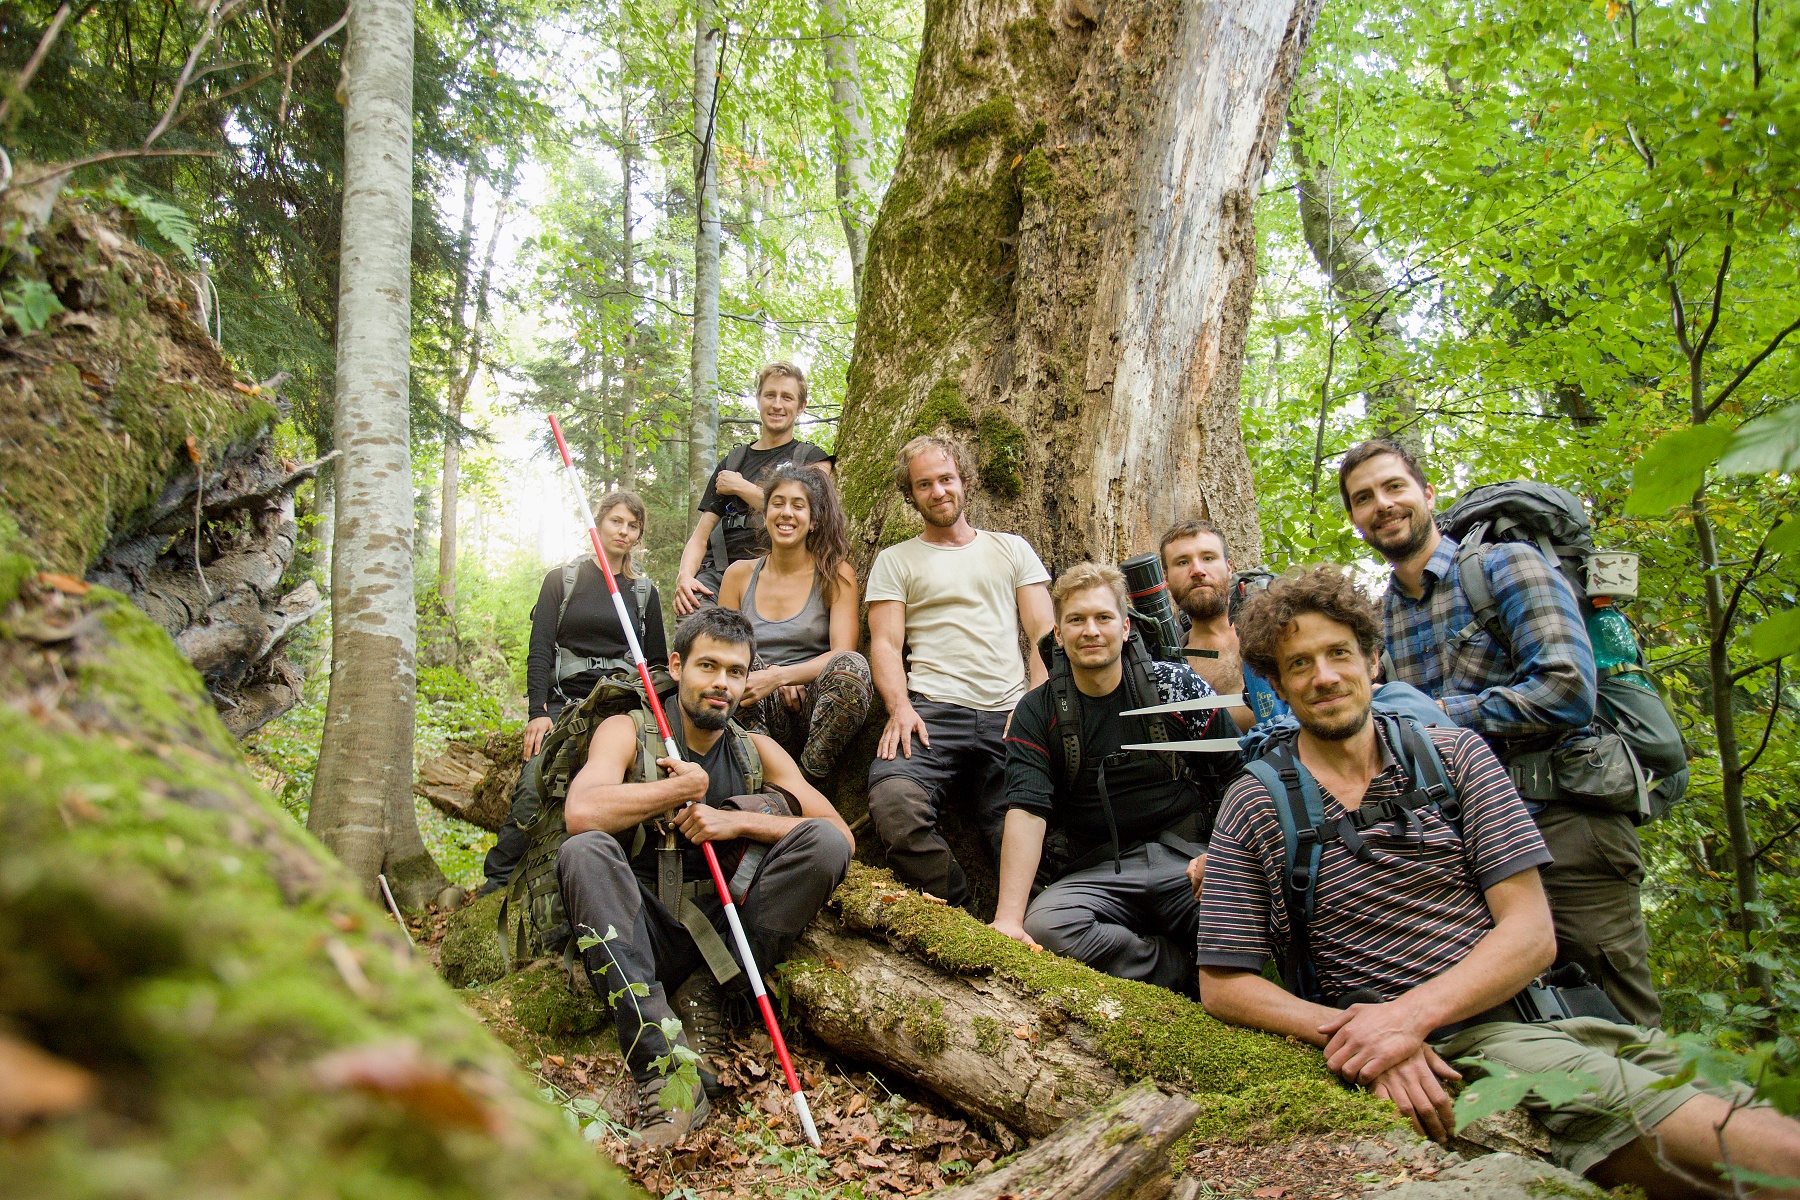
[{"x": 962, "y": 615}]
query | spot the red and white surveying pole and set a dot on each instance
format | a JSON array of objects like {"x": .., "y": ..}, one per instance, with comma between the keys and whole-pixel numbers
[{"x": 674, "y": 751}]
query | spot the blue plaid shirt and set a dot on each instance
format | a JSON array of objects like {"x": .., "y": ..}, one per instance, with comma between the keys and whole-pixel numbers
[{"x": 1546, "y": 685}]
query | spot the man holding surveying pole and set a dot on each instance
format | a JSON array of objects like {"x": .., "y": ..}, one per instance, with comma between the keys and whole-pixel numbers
[{"x": 638, "y": 925}]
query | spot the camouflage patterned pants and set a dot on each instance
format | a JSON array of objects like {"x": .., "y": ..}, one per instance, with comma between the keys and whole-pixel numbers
[{"x": 833, "y": 711}]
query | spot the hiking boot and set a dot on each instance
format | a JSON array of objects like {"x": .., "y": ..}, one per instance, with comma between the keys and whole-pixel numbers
[
  {"x": 658, "y": 1127},
  {"x": 708, "y": 1015}
]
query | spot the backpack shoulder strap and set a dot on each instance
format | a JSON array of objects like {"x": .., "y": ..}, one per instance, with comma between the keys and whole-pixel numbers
[
  {"x": 640, "y": 595},
  {"x": 1068, "y": 719},
  {"x": 734, "y": 461},
  {"x": 1141, "y": 690},
  {"x": 571, "y": 571},
  {"x": 1471, "y": 574},
  {"x": 1300, "y": 809},
  {"x": 748, "y": 757}
]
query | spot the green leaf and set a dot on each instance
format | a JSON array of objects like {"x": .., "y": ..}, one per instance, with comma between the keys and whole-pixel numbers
[
  {"x": 1777, "y": 637},
  {"x": 30, "y": 305},
  {"x": 1673, "y": 467},
  {"x": 1505, "y": 1089},
  {"x": 1785, "y": 537},
  {"x": 1769, "y": 444}
]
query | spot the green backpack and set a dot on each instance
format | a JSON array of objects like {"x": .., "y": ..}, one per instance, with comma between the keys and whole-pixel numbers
[{"x": 534, "y": 892}]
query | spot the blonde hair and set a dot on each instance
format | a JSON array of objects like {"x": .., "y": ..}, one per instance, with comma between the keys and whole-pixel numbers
[
  {"x": 959, "y": 454},
  {"x": 1086, "y": 575},
  {"x": 780, "y": 369}
]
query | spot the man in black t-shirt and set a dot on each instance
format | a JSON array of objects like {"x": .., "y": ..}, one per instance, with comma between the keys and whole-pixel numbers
[
  {"x": 1126, "y": 898},
  {"x": 730, "y": 526},
  {"x": 653, "y": 930}
]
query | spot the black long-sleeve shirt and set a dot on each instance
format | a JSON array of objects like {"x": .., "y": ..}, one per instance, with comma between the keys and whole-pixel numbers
[{"x": 590, "y": 629}]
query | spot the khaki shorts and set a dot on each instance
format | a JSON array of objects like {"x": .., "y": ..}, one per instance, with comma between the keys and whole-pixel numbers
[{"x": 1626, "y": 1059}]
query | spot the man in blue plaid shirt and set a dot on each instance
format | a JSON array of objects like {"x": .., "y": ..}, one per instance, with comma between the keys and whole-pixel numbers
[{"x": 1542, "y": 690}]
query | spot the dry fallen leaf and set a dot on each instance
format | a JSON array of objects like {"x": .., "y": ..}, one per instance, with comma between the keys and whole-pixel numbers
[
  {"x": 855, "y": 1104},
  {"x": 193, "y": 449},
  {"x": 68, "y": 585},
  {"x": 1269, "y": 1193},
  {"x": 400, "y": 1072},
  {"x": 35, "y": 1084}
]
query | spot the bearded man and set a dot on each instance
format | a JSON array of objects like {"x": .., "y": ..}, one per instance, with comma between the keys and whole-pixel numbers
[
  {"x": 1197, "y": 565},
  {"x": 644, "y": 940},
  {"x": 945, "y": 609}
]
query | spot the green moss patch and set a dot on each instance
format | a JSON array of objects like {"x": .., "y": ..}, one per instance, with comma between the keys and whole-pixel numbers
[
  {"x": 944, "y": 407},
  {"x": 539, "y": 1000},
  {"x": 1002, "y": 454},
  {"x": 469, "y": 955},
  {"x": 991, "y": 118},
  {"x": 1288, "y": 1109},
  {"x": 1145, "y": 1031},
  {"x": 253, "y": 1025}
]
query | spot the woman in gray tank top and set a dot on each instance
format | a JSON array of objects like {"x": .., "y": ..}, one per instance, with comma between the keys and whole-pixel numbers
[{"x": 810, "y": 690}]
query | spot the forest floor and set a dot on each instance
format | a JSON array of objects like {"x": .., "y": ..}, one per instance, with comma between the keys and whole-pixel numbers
[{"x": 882, "y": 1137}]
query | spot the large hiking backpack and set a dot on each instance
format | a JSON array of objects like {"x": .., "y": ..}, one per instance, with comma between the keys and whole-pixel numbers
[
  {"x": 532, "y": 922},
  {"x": 568, "y": 664},
  {"x": 1554, "y": 520},
  {"x": 1403, "y": 712}
]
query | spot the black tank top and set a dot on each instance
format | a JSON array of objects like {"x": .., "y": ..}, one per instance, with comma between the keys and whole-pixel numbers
[{"x": 725, "y": 778}]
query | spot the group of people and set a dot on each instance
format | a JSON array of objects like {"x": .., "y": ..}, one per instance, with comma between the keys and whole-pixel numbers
[{"x": 1366, "y": 836}]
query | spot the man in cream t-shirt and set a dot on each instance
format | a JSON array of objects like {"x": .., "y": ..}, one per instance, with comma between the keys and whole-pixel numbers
[{"x": 944, "y": 615}]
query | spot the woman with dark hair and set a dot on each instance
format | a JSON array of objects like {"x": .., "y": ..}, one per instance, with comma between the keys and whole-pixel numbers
[
  {"x": 576, "y": 641},
  {"x": 810, "y": 690}
]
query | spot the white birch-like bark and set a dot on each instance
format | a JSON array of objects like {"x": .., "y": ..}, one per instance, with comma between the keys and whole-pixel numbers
[
  {"x": 852, "y": 138},
  {"x": 362, "y": 804},
  {"x": 703, "y": 374}
]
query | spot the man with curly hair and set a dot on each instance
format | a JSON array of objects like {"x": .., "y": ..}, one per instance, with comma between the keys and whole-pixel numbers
[
  {"x": 1428, "y": 928},
  {"x": 1124, "y": 877}
]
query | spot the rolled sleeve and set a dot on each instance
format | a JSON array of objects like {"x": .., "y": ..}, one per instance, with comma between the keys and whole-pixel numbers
[{"x": 1236, "y": 904}]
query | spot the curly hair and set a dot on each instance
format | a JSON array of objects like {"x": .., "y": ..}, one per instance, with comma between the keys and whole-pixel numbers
[
  {"x": 959, "y": 454},
  {"x": 828, "y": 541},
  {"x": 1329, "y": 591}
]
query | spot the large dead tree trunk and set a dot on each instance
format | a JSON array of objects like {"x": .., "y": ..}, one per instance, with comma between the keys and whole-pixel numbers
[{"x": 1063, "y": 266}]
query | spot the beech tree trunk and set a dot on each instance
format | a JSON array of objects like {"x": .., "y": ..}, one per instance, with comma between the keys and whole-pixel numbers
[
  {"x": 628, "y": 366},
  {"x": 1063, "y": 267},
  {"x": 852, "y": 139},
  {"x": 703, "y": 373},
  {"x": 362, "y": 805}
]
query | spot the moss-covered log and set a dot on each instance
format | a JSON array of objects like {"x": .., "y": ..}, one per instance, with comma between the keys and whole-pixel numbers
[
  {"x": 122, "y": 428},
  {"x": 244, "y": 1021},
  {"x": 1118, "y": 1151},
  {"x": 1022, "y": 1039}
]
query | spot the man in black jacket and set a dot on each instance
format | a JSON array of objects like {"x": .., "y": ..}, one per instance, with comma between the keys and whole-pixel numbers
[{"x": 1129, "y": 905}]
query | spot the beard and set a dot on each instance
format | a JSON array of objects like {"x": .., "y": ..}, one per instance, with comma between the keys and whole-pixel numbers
[
  {"x": 941, "y": 521},
  {"x": 1202, "y": 602},
  {"x": 1337, "y": 729},
  {"x": 709, "y": 718},
  {"x": 1418, "y": 533}
]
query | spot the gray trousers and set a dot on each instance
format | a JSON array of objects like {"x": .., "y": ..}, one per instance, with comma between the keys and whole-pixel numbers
[
  {"x": 649, "y": 946},
  {"x": 1595, "y": 889},
  {"x": 1138, "y": 923}
]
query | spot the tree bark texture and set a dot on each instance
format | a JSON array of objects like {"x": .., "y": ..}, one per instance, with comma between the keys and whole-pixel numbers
[
  {"x": 703, "y": 372},
  {"x": 362, "y": 805},
  {"x": 1063, "y": 267},
  {"x": 628, "y": 365},
  {"x": 1117, "y": 1151},
  {"x": 852, "y": 139},
  {"x": 1333, "y": 231}
]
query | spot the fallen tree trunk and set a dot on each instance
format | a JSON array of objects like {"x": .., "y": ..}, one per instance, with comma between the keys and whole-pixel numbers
[
  {"x": 473, "y": 780},
  {"x": 1118, "y": 1151},
  {"x": 130, "y": 453}
]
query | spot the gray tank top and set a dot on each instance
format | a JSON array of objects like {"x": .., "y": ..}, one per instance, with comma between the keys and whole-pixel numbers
[{"x": 806, "y": 634}]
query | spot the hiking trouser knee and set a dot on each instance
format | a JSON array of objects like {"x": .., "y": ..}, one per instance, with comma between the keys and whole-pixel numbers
[
  {"x": 509, "y": 847},
  {"x": 1595, "y": 893},
  {"x": 1139, "y": 922},
  {"x": 833, "y": 712},
  {"x": 905, "y": 819},
  {"x": 601, "y": 895},
  {"x": 796, "y": 877}
]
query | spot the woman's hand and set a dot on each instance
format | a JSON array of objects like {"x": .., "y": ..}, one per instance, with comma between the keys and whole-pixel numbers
[
  {"x": 760, "y": 684},
  {"x": 793, "y": 695},
  {"x": 535, "y": 733}
]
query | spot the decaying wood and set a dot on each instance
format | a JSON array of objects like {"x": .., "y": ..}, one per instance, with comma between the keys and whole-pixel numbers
[
  {"x": 981, "y": 1043},
  {"x": 1118, "y": 1151},
  {"x": 472, "y": 781},
  {"x": 226, "y": 608}
]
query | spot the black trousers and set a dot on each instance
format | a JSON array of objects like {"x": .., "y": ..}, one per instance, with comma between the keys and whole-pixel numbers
[
  {"x": 509, "y": 847},
  {"x": 650, "y": 953}
]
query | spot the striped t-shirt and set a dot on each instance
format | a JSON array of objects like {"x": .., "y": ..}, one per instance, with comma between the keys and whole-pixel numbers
[{"x": 1388, "y": 925}]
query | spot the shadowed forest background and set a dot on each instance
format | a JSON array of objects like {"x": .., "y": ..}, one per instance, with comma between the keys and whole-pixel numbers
[{"x": 1552, "y": 242}]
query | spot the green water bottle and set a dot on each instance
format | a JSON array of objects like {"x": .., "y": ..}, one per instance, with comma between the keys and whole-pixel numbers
[{"x": 1614, "y": 643}]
